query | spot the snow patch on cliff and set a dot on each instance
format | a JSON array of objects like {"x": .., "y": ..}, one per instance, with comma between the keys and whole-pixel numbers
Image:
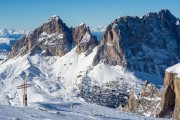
[{"x": 174, "y": 69}]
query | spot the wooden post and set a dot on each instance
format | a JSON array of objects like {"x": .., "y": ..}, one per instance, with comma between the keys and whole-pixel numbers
[
  {"x": 25, "y": 100},
  {"x": 24, "y": 87}
]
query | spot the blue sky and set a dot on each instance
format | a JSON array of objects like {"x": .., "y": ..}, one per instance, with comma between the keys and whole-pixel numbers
[{"x": 30, "y": 14}]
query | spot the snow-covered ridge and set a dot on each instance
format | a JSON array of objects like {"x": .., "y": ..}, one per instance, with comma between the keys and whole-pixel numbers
[
  {"x": 54, "y": 17},
  {"x": 8, "y": 37},
  {"x": 98, "y": 31},
  {"x": 174, "y": 69},
  {"x": 8, "y": 33},
  {"x": 81, "y": 24}
]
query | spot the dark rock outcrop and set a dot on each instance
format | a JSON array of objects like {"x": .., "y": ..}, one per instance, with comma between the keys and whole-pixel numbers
[
  {"x": 20, "y": 47},
  {"x": 147, "y": 103},
  {"x": 149, "y": 44},
  {"x": 54, "y": 38}
]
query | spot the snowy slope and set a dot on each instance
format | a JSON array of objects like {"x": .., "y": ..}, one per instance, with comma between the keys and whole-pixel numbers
[
  {"x": 8, "y": 37},
  {"x": 61, "y": 77},
  {"x": 66, "y": 111}
]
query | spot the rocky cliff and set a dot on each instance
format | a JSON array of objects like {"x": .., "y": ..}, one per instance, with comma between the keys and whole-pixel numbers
[
  {"x": 147, "y": 103},
  {"x": 170, "y": 104},
  {"x": 84, "y": 39},
  {"x": 54, "y": 38},
  {"x": 149, "y": 44}
]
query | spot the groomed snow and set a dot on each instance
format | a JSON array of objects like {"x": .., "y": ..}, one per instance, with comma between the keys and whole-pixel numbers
[
  {"x": 66, "y": 111},
  {"x": 174, "y": 69}
]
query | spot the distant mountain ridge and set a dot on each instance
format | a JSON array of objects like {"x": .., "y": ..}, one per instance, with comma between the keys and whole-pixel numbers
[
  {"x": 98, "y": 31},
  {"x": 8, "y": 38}
]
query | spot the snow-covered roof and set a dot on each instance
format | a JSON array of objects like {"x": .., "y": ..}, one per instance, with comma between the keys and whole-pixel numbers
[{"x": 174, "y": 69}]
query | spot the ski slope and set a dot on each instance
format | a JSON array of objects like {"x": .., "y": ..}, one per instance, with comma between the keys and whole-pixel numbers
[{"x": 66, "y": 111}]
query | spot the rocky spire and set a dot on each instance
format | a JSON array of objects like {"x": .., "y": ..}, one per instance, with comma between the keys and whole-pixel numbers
[
  {"x": 146, "y": 103},
  {"x": 54, "y": 38},
  {"x": 52, "y": 29},
  {"x": 84, "y": 39}
]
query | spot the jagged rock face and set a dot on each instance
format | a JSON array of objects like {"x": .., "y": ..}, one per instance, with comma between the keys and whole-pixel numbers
[
  {"x": 147, "y": 103},
  {"x": 79, "y": 32},
  {"x": 54, "y": 38},
  {"x": 132, "y": 105},
  {"x": 84, "y": 39},
  {"x": 150, "y": 100},
  {"x": 20, "y": 47},
  {"x": 149, "y": 44},
  {"x": 170, "y": 103}
]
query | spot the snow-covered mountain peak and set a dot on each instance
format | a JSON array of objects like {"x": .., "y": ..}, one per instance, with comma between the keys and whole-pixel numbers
[
  {"x": 129, "y": 40},
  {"x": 98, "y": 31},
  {"x": 82, "y": 24},
  {"x": 10, "y": 33},
  {"x": 7, "y": 38},
  {"x": 56, "y": 17}
]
